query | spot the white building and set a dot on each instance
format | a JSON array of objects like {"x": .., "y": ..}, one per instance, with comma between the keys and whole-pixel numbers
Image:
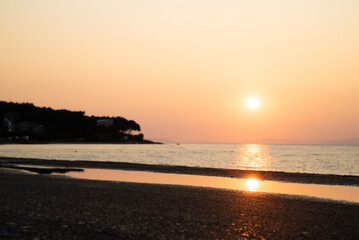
[{"x": 105, "y": 122}]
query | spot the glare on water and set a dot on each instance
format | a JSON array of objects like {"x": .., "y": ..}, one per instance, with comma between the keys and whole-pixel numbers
[
  {"x": 325, "y": 159},
  {"x": 346, "y": 193},
  {"x": 252, "y": 184}
]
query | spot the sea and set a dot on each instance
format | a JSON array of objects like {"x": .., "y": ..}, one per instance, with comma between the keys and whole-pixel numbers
[{"x": 323, "y": 159}]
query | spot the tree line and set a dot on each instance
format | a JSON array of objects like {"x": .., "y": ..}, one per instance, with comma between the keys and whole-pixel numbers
[{"x": 27, "y": 122}]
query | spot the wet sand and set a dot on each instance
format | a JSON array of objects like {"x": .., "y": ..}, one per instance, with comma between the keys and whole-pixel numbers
[
  {"x": 57, "y": 166},
  {"x": 34, "y": 206}
]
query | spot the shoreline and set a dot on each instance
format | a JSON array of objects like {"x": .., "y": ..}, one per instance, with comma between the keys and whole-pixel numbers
[
  {"x": 309, "y": 178},
  {"x": 34, "y": 142},
  {"x": 37, "y": 206}
]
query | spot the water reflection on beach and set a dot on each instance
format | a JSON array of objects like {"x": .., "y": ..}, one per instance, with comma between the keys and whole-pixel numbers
[
  {"x": 252, "y": 184},
  {"x": 346, "y": 193}
]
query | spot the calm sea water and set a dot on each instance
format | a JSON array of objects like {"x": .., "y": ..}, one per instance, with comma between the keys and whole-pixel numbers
[{"x": 327, "y": 159}]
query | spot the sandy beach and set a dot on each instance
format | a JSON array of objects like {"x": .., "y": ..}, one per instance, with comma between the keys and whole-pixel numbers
[
  {"x": 58, "y": 165},
  {"x": 39, "y": 206}
]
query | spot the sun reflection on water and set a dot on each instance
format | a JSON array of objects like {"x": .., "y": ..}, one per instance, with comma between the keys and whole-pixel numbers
[
  {"x": 252, "y": 184},
  {"x": 254, "y": 156},
  {"x": 347, "y": 193}
]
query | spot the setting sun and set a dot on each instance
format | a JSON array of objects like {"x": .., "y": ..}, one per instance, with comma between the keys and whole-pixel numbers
[{"x": 253, "y": 103}]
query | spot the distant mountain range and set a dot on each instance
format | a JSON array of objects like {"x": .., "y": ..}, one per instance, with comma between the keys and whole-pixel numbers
[{"x": 346, "y": 141}]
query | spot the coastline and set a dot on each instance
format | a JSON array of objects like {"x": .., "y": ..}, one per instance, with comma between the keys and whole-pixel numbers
[
  {"x": 37, "y": 206},
  {"x": 328, "y": 179},
  {"x": 144, "y": 141}
]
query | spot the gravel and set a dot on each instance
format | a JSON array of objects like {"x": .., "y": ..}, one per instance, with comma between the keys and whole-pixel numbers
[{"x": 34, "y": 206}]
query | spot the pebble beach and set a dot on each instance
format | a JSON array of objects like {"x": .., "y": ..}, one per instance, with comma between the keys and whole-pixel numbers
[{"x": 43, "y": 206}]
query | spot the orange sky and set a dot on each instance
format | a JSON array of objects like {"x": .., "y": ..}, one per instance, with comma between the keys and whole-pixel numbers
[{"x": 184, "y": 69}]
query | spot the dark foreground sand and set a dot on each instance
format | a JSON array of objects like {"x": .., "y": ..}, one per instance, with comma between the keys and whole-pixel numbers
[{"x": 36, "y": 206}]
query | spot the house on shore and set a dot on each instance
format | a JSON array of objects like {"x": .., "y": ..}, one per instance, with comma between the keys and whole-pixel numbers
[
  {"x": 29, "y": 126},
  {"x": 105, "y": 122}
]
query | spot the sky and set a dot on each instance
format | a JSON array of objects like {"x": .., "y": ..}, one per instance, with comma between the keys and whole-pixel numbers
[{"x": 184, "y": 69}]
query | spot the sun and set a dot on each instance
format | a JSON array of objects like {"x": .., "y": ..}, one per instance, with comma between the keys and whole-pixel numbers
[{"x": 253, "y": 103}]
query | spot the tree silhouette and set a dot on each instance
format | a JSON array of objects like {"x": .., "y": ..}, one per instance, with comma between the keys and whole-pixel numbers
[{"x": 64, "y": 125}]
